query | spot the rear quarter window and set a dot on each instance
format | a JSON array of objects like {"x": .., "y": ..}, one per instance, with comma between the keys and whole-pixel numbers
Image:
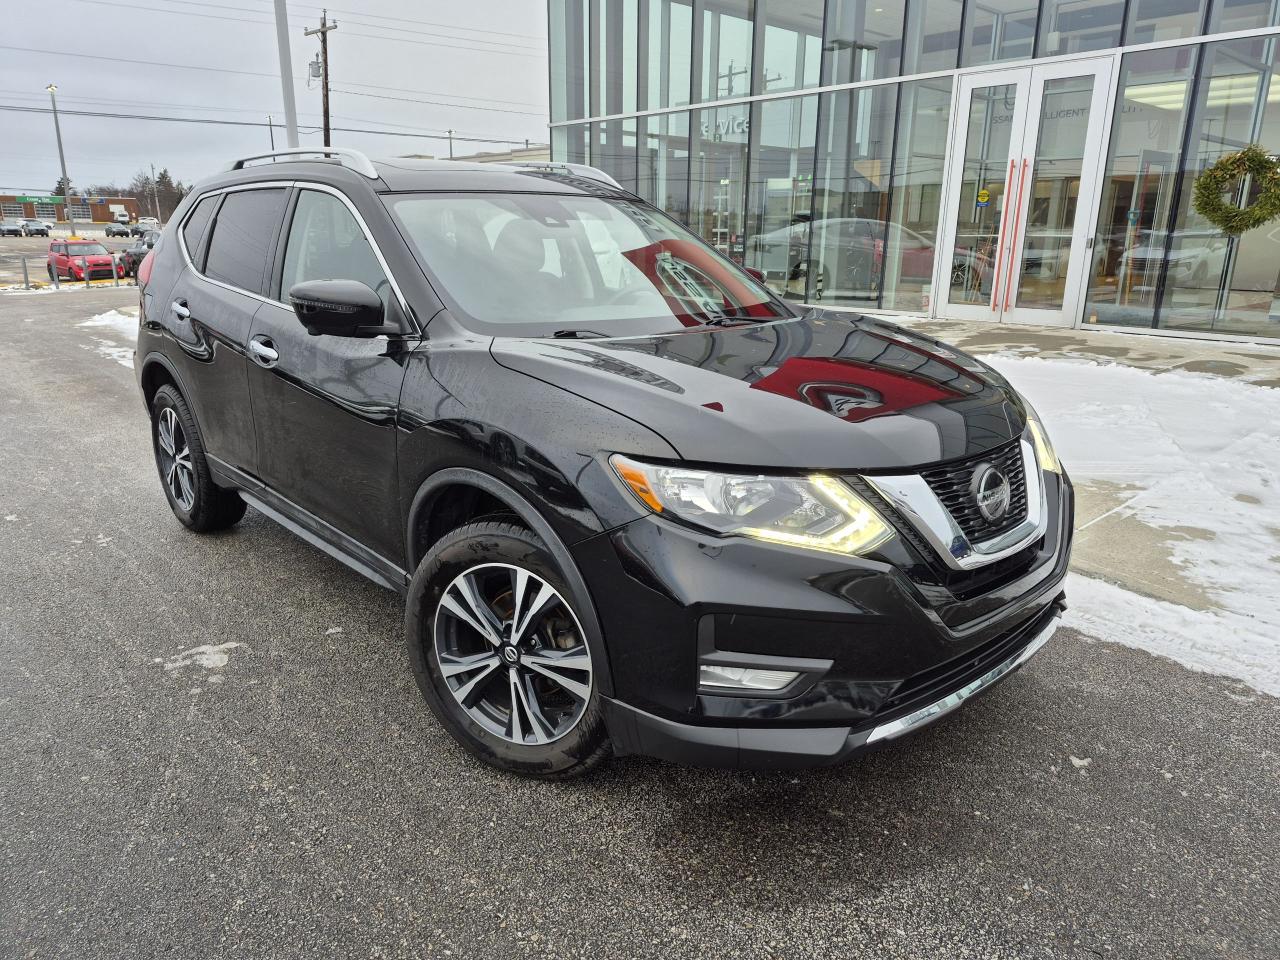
[
  {"x": 197, "y": 221},
  {"x": 242, "y": 234}
]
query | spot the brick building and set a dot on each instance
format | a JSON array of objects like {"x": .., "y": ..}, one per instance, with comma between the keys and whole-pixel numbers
[{"x": 85, "y": 209}]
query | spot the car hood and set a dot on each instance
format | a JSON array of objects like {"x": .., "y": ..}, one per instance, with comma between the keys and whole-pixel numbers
[{"x": 823, "y": 391}]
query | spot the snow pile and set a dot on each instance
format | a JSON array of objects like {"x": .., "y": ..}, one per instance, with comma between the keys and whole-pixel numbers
[
  {"x": 1204, "y": 453},
  {"x": 123, "y": 326}
]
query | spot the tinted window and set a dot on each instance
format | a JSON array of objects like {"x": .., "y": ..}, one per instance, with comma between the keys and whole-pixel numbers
[
  {"x": 193, "y": 229},
  {"x": 326, "y": 243},
  {"x": 531, "y": 264},
  {"x": 242, "y": 234}
]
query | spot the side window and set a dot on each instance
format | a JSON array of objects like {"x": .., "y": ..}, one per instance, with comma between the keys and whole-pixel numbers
[
  {"x": 326, "y": 243},
  {"x": 193, "y": 229},
  {"x": 242, "y": 234}
]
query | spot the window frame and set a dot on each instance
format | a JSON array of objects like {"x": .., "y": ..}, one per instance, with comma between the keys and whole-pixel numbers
[
  {"x": 275, "y": 251},
  {"x": 276, "y": 278}
]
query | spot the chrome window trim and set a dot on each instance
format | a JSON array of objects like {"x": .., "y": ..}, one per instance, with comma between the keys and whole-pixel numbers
[
  {"x": 301, "y": 185},
  {"x": 912, "y": 496}
]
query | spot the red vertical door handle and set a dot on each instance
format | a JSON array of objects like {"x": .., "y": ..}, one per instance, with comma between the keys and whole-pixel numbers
[
  {"x": 1013, "y": 235},
  {"x": 1004, "y": 219}
]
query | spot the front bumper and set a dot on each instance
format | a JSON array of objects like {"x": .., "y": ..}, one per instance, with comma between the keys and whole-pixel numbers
[
  {"x": 635, "y": 731},
  {"x": 876, "y": 639}
]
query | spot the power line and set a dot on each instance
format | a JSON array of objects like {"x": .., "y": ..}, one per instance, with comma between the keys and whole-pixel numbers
[
  {"x": 117, "y": 4},
  {"x": 421, "y": 23},
  {"x": 349, "y": 14},
  {"x": 18, "y": 108},
  {"x": 382, "y": 96},
  {"x": 248, "y": 73},
  {"x": 103, "y": 101}
]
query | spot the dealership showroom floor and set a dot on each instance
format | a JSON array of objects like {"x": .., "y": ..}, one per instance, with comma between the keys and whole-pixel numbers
[{"x": 215, "y": 747}]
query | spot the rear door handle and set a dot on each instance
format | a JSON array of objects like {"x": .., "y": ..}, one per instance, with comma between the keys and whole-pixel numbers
[
  {"x": 264, "y": 351},
  {"x": 179, "y": 308}
]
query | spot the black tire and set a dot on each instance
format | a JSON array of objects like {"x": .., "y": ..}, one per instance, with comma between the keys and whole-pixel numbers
[
  {"x": 585, "y": 742},
  {"x": 49, "y": 270},
  {"x": 209, "y": 507}
]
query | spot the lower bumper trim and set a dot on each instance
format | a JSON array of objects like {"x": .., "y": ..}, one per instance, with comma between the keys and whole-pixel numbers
[
  {"x": 772, "y": 748},
  {"x": 940, "y": 708}
]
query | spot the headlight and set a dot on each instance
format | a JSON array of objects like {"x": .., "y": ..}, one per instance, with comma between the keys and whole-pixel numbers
[
  {"x": 816, "y": 512},
  {"x": 1045, "y": 456}
]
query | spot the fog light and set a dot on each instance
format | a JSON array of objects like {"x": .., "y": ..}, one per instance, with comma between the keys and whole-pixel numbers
[{"x": 744, "y": 678}]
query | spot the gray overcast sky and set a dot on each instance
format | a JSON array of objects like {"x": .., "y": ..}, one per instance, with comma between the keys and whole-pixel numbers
[{"x": 487, "y": 54}]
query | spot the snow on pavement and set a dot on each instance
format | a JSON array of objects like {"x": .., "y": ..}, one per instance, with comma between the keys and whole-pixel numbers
[
  {"x": 1200, "y": 452},
  {"x": 118, "y": 327}
]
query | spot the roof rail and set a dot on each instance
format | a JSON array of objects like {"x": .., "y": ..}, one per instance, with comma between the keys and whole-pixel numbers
[
  {"x": 574, "y": 169},
  {"x": 351, "y": 159}
]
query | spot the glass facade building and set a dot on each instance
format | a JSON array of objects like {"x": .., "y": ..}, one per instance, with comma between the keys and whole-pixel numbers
[{"x": 1021, "y": 160}]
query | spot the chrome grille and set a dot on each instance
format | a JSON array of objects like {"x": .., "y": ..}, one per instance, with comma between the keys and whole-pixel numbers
[{"x": 951, "y": 485}]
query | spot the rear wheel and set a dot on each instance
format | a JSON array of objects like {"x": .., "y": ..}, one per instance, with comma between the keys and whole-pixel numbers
[
  {"x": 500, "y": 654},
  {"x": 195, "y": 499}
]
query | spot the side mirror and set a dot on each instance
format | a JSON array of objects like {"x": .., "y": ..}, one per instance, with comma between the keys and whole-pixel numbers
[{"x": 339, "y": 308}]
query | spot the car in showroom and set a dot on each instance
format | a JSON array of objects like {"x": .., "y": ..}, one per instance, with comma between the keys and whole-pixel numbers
[
  {"x": 34, "y": 228},
  {"x": 847, "y": 257},
  {"x": 70, "y": 259},
  {"x": 635, "y": 502}
]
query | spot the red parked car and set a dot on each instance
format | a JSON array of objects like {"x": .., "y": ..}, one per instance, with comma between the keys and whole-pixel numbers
[{"x": 68, "y": 259}]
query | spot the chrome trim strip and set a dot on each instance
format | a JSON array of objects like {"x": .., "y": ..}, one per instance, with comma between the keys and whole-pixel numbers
[
  {"x": 939, "y": 708},
  {"x": 912, "y": 496}
]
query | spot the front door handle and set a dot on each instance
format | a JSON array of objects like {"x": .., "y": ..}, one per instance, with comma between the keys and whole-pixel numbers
[
  {"x": 264, "y": 352},
  {"x": 179, "y": 308}
]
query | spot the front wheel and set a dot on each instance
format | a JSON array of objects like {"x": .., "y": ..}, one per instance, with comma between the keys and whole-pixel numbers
[{"x": 500, "y": 654}]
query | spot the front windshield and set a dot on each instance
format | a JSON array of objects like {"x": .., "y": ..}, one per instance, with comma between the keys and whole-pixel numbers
[
  {"x": 538, "y": 264},
  {"x": 85, "y": 249}
]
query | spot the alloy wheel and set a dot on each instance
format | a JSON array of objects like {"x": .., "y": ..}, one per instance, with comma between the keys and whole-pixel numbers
[
  {"x": 512, "y": 653},
  {"x": 175, "y": 459}
]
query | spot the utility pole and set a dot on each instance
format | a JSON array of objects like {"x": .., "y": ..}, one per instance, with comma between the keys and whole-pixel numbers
[
  {"x": 323, "y": 31},
  {"x": 450, "y": 144},
  {"x": 286, "y": 74},
  {"x": 272, "y": 127},
  {"x": 155, "y": 197},
  {"x": 62, "y": 160}
]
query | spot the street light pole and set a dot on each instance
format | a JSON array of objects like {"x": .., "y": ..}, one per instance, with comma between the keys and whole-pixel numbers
[
  {"x": 286, "y": 75},
  {"x": 62, "y": 159}
]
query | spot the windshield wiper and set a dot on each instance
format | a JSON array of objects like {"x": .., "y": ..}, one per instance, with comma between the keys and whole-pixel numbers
[{"x": 578, "y": 335}]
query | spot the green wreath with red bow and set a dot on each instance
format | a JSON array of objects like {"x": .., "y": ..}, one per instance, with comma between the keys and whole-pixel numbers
[{"x": 1210, "y": 202}]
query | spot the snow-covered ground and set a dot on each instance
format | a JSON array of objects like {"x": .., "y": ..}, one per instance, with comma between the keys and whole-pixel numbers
[
  {"x": 1199, "y": 460},
  {"x": 120, "y": 335}
]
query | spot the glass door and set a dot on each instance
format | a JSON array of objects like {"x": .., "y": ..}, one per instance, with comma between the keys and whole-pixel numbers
[{"x": 1023, "y": 172}]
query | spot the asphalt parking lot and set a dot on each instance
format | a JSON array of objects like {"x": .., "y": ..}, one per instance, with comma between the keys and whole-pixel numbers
[{"x": 212, "y": 746}]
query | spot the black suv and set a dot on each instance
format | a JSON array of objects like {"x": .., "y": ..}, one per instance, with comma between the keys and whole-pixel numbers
[{"x": 636, "y": 503}]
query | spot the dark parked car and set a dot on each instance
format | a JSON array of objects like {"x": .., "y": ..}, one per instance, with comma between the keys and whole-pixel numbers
[
  {"x": 131, "y": 257},
  {"x": 34, "y": 228},
  {"x": 11, "y": 228},
  {"x": 119, "y": 230},
  {"x": 635, "y": 502}
]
